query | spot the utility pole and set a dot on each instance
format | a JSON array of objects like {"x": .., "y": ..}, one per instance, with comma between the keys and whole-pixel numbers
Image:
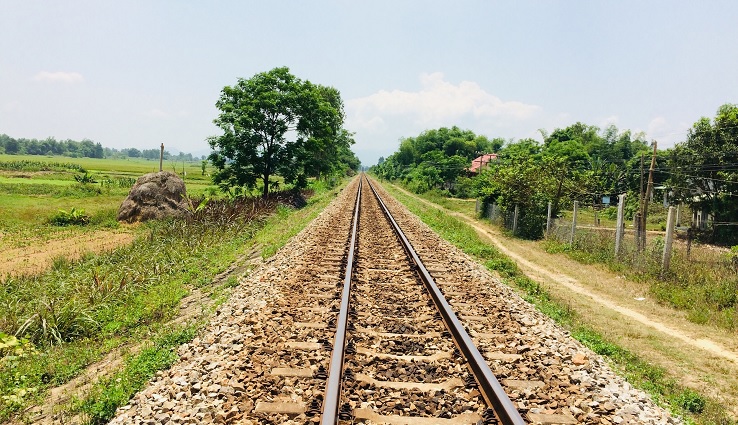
[
  {"x": 649, "y": 190},
  {"x": 161, "y": 158},
  {"x": 639, "y": 215}
]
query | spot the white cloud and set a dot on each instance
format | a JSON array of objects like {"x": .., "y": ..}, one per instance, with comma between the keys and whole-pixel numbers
[
  {"x": 657, "y": 126},
  {"x": 666, "y": 133},
  {"x": 438, "y": 102},
  {"x": 59, "y": 77},
  {"x": 611, "y": 120}
]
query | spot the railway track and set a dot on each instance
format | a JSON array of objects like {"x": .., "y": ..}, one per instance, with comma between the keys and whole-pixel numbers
[
  {"x": 397, "y": 334},
  {"x": 268, "y": 354}
]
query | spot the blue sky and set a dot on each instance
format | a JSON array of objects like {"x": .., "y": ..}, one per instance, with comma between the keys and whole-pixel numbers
[{"x": 141, "y": 73}]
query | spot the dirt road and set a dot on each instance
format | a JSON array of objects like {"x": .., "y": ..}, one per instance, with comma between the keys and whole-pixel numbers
[{"x": 40, "y": 255}]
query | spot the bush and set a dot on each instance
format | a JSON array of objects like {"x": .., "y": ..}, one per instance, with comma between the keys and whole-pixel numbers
[
  {"x": 610, "y": 212},
  {"x": 73, "y": 217}
]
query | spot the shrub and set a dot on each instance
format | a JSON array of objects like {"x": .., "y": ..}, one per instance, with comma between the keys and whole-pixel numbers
[
  {"x": 85, "y": 178},
  {"x": 72, "y": 217}
]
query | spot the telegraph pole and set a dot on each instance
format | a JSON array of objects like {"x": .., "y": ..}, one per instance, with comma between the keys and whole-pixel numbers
[
  {"x": 649, "y": 191},
  {"x": 161, "y": 158}
]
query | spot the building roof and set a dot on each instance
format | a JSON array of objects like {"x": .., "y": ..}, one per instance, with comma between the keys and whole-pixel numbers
[{"x": 481, "y": 161}]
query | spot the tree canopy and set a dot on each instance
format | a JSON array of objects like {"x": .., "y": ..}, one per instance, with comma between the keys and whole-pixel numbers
[
  {"x": 276, "y": 124},
  {"x": 435, "y": 157},
  {"x": 703, "y": 170}
]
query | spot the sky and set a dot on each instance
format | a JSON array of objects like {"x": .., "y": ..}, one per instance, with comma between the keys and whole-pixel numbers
[{"x": 141, "y": 73}]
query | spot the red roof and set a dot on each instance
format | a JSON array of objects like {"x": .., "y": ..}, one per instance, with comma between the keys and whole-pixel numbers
[{"x": 481, "y": 161}]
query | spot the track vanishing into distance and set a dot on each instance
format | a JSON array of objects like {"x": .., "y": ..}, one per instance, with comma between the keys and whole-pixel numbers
[
  {"x": 403, "y": 337},
  {"x": 330, "y": 332}
]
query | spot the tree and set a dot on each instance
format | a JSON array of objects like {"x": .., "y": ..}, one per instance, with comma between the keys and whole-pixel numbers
[
  {"x": 270, "y": 123},
  {"x": 516, "y": 179},
  {"x": 703, "y": 171}
]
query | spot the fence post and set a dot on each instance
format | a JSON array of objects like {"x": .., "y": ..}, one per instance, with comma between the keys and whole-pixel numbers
[
  {"x": 637, "y": 224},
  {"x": 574, "y": 222},
  {"x": 515, "y": 220},
  {"x": 670, "y": 224},
  {"x": 548, "y": 218},
  {"x": 476, "y": 206},
  {"x": 620, "y": 225}
]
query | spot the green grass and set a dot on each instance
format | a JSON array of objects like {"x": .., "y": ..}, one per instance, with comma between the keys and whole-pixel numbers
[
  {"x": 111, "y": 392},
  {"x": 138, "y": 166},
  {"x": 77, "y": 312},
  {"x": 33, "y": 189},
  {"x": 653, "y": 379}
]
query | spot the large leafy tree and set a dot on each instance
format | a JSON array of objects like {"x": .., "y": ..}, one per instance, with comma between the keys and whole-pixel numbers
[
  {"x": 516, "y": 178},
  {"x": 274, "y": 123},
  {"x": 704, "y": 169}
]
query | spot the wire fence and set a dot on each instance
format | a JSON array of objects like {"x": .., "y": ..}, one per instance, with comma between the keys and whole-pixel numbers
[{"x": 591, "y": 230}]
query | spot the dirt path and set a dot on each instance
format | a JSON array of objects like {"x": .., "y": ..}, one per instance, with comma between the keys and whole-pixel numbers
[
  {"x": 698, "y": 356},
  {"x": 40, "y": 256}
]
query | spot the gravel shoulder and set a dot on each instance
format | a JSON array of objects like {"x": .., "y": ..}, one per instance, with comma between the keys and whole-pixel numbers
[{"x": 701, "y": 357}]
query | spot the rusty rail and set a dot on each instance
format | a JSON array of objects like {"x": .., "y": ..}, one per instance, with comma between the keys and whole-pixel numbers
[{"x": 335, "y": 373}]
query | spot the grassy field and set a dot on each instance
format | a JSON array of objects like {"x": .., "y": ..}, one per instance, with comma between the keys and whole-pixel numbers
[
  {"x": 77, "y": 311},
  {"x": 34, "y": 188}
]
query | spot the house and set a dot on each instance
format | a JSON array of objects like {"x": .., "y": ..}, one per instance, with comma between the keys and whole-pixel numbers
[{"x": 480, "y": 162}]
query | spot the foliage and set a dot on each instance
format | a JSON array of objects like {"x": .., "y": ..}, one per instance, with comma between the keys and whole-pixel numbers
[
  {"x": 85, "y": 178},
  {"x": 703, "y": 170},
  {"x": 78, "y": 149},
  {"x": 50, "y": 146},
  {"x": 435, "y": 159},
  {"x": 113, "y": 392},
  {"x": 71, "y": 217},
  {"x": 12, "y": 351},
  {"x": 26, "y": 165},
  {"x": 132, "y": 291},
  {"x": 276, "y": 124},
  {"x": 705, "y": 286},
  {"x": 576, "y": 163}
]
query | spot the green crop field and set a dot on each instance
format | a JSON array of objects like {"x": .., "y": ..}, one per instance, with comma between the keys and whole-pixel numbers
[{"x": 34, "y": 188}]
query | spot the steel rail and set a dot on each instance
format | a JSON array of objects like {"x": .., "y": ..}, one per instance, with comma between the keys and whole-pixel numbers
[
  {"x": 335, "y": 373},
  {"x": 489, "y": 386}
]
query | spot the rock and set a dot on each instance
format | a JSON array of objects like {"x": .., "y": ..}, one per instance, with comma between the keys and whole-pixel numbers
[
  {"x": 155, "y": 196},
  {"x": 579, "y": 359}
]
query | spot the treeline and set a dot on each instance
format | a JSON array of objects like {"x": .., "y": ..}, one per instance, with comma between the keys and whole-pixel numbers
[
  {"x": 437, "y": 159},
  {"x": 80, "y": 149},
  {"x": 580, "y": 163}
]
